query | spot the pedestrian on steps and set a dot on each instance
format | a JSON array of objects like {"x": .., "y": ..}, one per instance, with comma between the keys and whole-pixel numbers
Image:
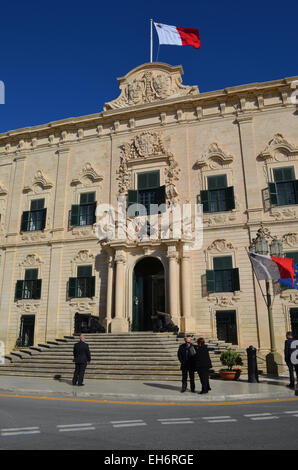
[
  {"x": 203, "y": 364},
  {"x": 81, "y": 357}
]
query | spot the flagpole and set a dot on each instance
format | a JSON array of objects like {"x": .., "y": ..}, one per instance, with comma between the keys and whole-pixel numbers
[{"x": 151, "y": 40}]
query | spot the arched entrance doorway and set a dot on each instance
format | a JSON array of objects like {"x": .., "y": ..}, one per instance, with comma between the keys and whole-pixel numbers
[{"x": 148, "y": 293}]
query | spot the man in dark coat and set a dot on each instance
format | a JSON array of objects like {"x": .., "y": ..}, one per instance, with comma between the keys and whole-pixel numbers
[
  {"x": 82, "y": 356},
  {"x": 203, "y": 364},
  {"x": 186, "y": 353},
  {"x": 288, "y": 352}
]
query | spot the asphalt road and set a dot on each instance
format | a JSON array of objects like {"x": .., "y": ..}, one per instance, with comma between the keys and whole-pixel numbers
[{"x": 28, "y": 423}]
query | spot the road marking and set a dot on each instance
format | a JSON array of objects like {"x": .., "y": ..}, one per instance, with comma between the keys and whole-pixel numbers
[
  {"x": 146, "y": 403},
  {"x": 174, "y": 419},
  {"x": 291, "y": 412},
  {"x": 264, "y": 418},
  {"x": 20, "y": 431},
  {"x": 216, "y": 417},
  {"x": 128, "y": 425},
  {"x": 77, "y": 429},
  {"x": 73, "y": 425},
  {"x": 258, "y": 414},
  {"x": 222, "y": 421}
]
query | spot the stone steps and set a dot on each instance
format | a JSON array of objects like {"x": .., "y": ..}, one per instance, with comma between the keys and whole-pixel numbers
[{"x": 135, "y": 356}]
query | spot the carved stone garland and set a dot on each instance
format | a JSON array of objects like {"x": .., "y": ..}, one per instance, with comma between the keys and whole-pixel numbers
[{"x": 148, "y": 146}]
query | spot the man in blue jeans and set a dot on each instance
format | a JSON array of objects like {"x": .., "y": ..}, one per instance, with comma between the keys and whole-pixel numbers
[{"x": 288, "y": 352}]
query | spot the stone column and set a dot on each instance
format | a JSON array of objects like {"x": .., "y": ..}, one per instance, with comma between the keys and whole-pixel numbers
[
  {"x": 119, "y": 323},
  {"x": 109, "y": 292},
  {"x": 56, "y": 260},
  {"x": 8, "y": 333},
  {"x": 173, "y": 284},
  {"x": 188, "y": 324},
  {"x": 7, "y": 298}
]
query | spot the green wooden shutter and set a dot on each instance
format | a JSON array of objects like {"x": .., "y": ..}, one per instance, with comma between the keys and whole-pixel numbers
[
  {"x": 94, "y": 212},
  {"x": 72, "y": 287},
  {"x": 87, "y": 198},
  {"x": 222, "y": 262},
  {"x": 75, "y": 215},
  {"x": 205, "y": 200},
  {"x": 161, "y": 195},
  {"x": 235, "y": 279},
  {"x": 148, "y": 180},
  {"x": 153, "y": 179},
  {"x": 217, "y": 182},
  {"x": 92, "y": 286},
  {"x": 43, "y": 219},
  {"x": 284, "y": 174},
  {"x": 230, "y": 199},
  {"x": 132, "y": 197},
  {"x": 31, "y": 274},
  {"x": 36, "y": 294},
  {"x": 37, "y": 204},
  {"x": 296, "y": 191},
  {"x": 85, "y": 271},
  {"x": 210, "y": 280},
  {"x": 19, "y": 290},
  {"x": 273, "y": 194},
  {"x": 25, "y": 221}
]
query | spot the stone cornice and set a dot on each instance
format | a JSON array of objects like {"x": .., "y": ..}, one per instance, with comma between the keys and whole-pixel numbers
[{"x": 107, "y": 119}]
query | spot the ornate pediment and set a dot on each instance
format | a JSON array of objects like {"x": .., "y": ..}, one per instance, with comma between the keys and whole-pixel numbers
[
  {"x": 278, "y": 149},
  {"x": 88, "y": 173},
  {"x": 147, "y": 147},
  {"x": 149, "y": 83},
  {"x": 221, "y": 245},
  {"x": 40, "y": 182},
  {"x": 214, "y": 158}
]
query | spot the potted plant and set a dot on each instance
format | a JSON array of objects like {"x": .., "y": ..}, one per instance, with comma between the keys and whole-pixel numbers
[{"x": 230, "y": 358}]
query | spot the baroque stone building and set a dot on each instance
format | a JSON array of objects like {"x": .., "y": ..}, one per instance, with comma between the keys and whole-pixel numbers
[{"x": 235, "y": 151}]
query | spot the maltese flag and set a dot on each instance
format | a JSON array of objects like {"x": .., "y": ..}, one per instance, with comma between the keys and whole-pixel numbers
[{"x": 176, "y": 36}]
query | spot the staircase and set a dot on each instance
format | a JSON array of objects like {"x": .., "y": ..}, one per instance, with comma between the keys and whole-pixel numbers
[{"x": 135, "y": 356}]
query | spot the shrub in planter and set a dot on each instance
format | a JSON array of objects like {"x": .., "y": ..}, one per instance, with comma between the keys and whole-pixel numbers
[{"x": 230, "y": 358}]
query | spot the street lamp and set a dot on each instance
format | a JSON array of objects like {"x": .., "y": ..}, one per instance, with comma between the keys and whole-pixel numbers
[{"x": 260, "y": 246}]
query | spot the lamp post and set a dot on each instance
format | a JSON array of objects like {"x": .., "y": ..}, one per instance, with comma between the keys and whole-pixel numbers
[{"x": 260, "y": 245}]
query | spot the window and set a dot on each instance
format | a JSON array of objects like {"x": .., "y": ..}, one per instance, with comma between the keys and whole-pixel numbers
[
  {"x": 284, "y": 190},
  {"x": 293, "y": 255},
  {"x": 35, "y": 219},
  {"x": 218, "y": 197},
  {"x": 30, "y": 287},
  {"x": 149, "y": 192},
  {"x": 83, "y": 285},
  {"x": 84, "y": 213},
  {"x": 223, "y": 278}
]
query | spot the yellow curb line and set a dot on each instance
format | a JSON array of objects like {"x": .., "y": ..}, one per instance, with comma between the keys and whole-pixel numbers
[{"x": 114, "y": 402}]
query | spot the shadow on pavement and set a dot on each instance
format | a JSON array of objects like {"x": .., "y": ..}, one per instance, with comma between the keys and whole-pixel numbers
[{"x": 164, "y": 387}]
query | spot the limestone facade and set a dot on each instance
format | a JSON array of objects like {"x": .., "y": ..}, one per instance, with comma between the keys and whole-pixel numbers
[{"x": 156, "y": 124}]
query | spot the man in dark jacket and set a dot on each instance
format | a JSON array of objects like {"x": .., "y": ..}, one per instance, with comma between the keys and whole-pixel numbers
[
  {"x": 288, "y": 352},
  {"x": 186, "y": 353},
  {"x": 203, "y": 364},
  {"x": 82, "y": 356}
]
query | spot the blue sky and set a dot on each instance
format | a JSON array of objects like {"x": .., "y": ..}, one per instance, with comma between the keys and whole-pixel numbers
[{"x": 60, "y": 59}]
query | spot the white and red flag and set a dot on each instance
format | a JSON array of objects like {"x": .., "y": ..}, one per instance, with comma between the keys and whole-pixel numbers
[
  {"x": 176, "y": 36},
  {"x": 272, "y": 267}
]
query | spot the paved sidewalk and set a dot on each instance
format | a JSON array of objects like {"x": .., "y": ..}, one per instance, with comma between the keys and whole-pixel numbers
[{"x": 152, "y": 391}]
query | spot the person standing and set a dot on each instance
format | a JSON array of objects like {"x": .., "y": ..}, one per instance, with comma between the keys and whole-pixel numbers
[
  {"x": 203, "y": 364},
  {"x": 288, "y": 352},
  {"x": 186, "y": 354},
  {"x": 82, "y": 356}
]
